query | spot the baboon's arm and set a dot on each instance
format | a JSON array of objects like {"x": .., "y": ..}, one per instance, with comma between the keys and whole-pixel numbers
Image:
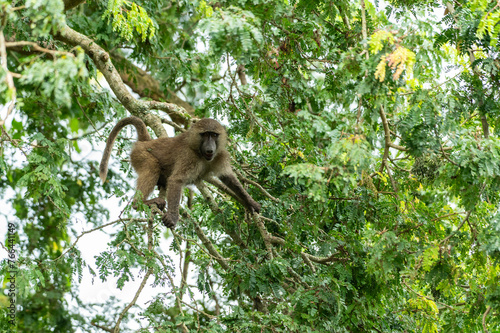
[
  {"x": 174, "y": 192},
  {"x": 234, "y": 185}
]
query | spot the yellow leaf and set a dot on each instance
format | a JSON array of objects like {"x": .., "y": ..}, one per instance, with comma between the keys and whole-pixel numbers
[
  {"x": 375, "y": 42},
  {"x": 382, "y": 177},
  {"x": 55, "y": 246},
  {"x": 380, "y": 69}
]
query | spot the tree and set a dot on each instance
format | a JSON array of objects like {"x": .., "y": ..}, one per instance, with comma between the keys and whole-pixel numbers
[{"x": 367, "y": 132}]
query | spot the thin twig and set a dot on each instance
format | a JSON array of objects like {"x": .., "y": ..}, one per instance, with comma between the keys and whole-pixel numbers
[
  {"x": 199, "y": 311},
  {"x": 422, "y": 296},
  {"x": 88, "y": 232},
  {"x": 104, "y": 328},
  {"x": 90, "y": 121},
  {"x": 323, "y": 260},
  {"x": 458, "y": 228},
  {"x": 8, "y": 77},
  {"x": 122, "y": 314},
  {"x": 38, "y": 48},
  {"x": 447, "y": 215},
  {"x": 178, "y": 300},
  {"x": 263, "y": 190}
]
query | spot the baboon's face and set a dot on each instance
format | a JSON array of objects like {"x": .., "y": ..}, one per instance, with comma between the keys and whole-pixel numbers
[
  {"x": 207, "y": 137},
  {"x": 208, "y": 147}
]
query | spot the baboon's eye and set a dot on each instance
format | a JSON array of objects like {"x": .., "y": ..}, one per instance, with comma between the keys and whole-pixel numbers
[{"x": 209, "y": 134}]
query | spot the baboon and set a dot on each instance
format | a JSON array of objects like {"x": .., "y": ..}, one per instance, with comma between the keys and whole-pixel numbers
[{"x": 172, "y": 163}]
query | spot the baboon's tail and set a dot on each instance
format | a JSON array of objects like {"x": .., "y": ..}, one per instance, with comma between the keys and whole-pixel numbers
[{"x": 142, "y": 135}]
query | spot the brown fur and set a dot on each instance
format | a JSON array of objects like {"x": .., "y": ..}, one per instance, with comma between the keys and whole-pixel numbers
[{"x": 172, "y": 163}]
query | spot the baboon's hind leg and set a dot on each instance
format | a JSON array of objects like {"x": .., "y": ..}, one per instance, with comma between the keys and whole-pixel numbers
[{"x": 148, "y": 174}]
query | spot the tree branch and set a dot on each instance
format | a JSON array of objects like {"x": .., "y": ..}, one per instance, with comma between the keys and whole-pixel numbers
[
  {"x": 210, "y": 247},
  {"x": 422, "y": 296},
  {"x": 187, "y": 259},
  {"x": 322, "y": 260},
  {"x": 308, "y": 261},
  {"x": 387, "y": 132},
  {"x": 447, "y": 215},
  {"x": 488, "y": 309},
  {"x": 18, "y": 46},
  {"x": 388, "y": 144},
  {"x": 209, "y": 316},
  {"x": 266, "y": 236},
  {"x": 466, "y": 218},
  {"x": 241, "y": 74},
  {"x": 263, "y": 190},
  {"x": 104, "y": 328},
  {"x": 122, "y": 314},
  {"x": 90, "y": 231},
  {"x": 178, "y": 300},
  {"x": 103, "y": 62},
  {"x": 145, "y": 85},
  {"x": 8, "y": 78}
]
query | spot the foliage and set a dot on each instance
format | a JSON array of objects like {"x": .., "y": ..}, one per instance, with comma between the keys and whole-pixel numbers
[
  {"x": 137, "y": 19},
  {"x": 367, "y": 131}
]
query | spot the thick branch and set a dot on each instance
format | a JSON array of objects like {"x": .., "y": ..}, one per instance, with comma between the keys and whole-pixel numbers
[
  {"x": 387, "y": 131},
  {"x": 488, "y": 309},
  {"x": 308, "y": 261},
  {"x": 145, "y": 85},
  {"x": 103, "y": 63},
  {"x": 364, "y": 31},
  {"x": 241, "y": 74}
]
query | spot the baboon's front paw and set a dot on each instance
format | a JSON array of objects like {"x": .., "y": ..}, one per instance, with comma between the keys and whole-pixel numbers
[
  {"x": 169, "y": 221},
  {"x": 255, "y": 206},
  {"x": 159, "y": 202}
]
